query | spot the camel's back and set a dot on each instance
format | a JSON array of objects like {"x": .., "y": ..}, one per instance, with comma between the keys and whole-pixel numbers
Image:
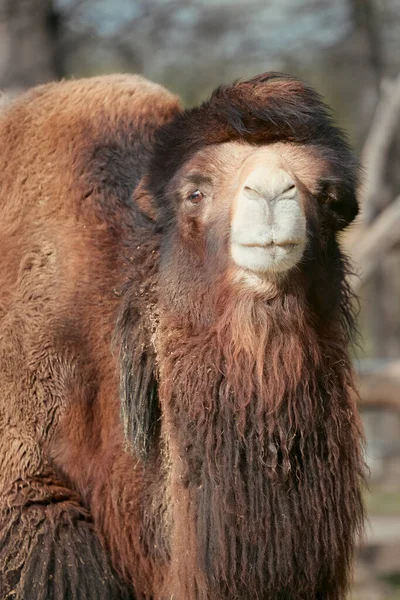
[
  {"x": 71, "y": 156},
  {"x": 65, "y": 146}
]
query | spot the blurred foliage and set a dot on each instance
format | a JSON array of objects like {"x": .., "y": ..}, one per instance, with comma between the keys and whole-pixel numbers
[{"x": 382, "y": 502}]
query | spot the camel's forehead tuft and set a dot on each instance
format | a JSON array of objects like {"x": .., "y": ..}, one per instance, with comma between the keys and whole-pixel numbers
[{"x": 268, "y": 109}]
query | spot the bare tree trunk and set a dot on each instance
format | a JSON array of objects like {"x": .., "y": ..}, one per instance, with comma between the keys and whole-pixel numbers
[
  {"x": 365, "y": 18},
  {"x": 29, "y": 32}
]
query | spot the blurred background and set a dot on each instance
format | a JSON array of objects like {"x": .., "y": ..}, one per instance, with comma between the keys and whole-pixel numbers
[{"x": 349, "y": 50}]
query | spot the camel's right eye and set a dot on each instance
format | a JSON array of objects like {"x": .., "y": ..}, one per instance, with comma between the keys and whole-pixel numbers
[{"x": 196, "y": 197}]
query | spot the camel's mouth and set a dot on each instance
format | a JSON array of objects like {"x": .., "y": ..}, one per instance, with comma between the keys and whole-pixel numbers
[
  {"x": 271, "y": 257},
  {"x": 272, "y": 246}
]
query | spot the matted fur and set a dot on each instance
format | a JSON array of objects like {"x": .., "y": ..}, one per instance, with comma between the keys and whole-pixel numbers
[
  {"x": 50, "y": 551},
  {"x": 221, "y": 458}
]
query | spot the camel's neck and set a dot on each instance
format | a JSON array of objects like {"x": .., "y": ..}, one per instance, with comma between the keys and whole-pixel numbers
[{"x": 265, "y": 462}]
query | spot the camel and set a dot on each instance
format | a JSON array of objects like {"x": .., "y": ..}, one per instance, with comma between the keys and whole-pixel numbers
[{"x": 177, "y": 414}]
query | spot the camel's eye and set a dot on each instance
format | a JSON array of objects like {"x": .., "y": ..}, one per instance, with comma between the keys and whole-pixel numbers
[{"x": 195, "y": 197}]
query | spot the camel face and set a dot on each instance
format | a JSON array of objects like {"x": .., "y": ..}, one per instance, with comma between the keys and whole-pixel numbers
[{"x": 244, "y": 209}]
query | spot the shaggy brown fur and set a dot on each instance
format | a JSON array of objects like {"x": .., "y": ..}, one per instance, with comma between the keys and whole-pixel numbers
[{"x": 235, "y": 471}]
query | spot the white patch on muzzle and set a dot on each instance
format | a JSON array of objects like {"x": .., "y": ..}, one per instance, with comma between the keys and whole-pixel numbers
[{"x": 268, "y": 229}]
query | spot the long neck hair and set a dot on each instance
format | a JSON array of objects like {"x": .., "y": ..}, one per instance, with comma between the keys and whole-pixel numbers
[{"x": 264, "y": 445}]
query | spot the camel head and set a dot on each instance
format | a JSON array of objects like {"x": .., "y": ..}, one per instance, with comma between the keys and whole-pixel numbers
[{"x": 249, "y": 179}]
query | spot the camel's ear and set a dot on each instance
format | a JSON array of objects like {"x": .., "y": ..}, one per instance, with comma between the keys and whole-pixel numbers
[
  {"x": 143, "y": 200},
  {"x": 343, "y": 204},
  {"x": 140, "y": 411}
]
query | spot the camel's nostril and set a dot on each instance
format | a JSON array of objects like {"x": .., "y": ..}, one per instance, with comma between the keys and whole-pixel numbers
[
  {"x": 289, "y": 189},
  {"x": 252, "y": 191}
]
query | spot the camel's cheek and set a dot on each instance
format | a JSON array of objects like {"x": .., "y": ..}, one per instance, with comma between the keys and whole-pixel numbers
[{"x": 268, "y": 227}]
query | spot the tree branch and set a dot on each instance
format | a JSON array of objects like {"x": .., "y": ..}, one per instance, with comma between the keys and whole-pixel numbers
[
  {"x": 376, "y": 149},
  {"x": 375, "y": 242}
]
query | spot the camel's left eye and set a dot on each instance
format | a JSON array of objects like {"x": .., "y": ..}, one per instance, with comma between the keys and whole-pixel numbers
[{"x": 196, "y": 197}]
